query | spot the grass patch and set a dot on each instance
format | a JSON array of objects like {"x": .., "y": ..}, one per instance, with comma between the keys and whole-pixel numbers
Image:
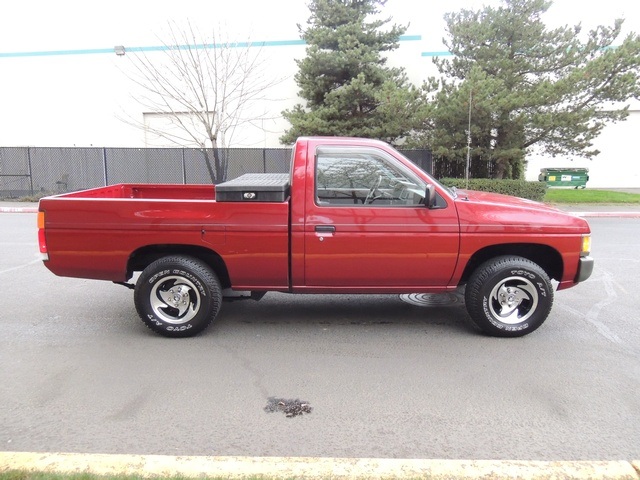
[
  {"x": 570, "y": 195},
  {"x": 29, "y": 475}
]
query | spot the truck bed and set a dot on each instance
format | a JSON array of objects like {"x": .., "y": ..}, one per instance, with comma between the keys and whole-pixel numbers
[{"x": 99, "y": 233}]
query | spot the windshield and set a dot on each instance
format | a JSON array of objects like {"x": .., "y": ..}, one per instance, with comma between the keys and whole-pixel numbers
[{"x": 451, "y": 190}]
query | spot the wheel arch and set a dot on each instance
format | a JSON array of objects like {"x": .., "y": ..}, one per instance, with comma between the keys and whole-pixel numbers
[
  {"x": 144, "y": 256},
  {"x": 548, "y": 258}
]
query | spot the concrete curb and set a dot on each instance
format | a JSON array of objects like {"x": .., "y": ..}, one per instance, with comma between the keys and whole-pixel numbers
[
  {"x": 18, "y": 209},
  {"x": 312, "y": 468},
  {"x": 607, "y": 214}
]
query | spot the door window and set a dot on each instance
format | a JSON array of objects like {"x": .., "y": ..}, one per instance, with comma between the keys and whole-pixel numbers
[{"x": 364, "y": 177}]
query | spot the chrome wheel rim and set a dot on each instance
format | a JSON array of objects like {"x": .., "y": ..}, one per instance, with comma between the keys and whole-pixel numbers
[
  {"x": 513, "y": 300},
  {"x": 175, "y": 300}
]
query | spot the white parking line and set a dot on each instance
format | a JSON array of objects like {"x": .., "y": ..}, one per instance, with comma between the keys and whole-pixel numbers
[{"x": 12, "y": 269}]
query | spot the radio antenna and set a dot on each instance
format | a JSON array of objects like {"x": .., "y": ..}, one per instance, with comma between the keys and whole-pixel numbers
[{"x": 466, "y": 172}]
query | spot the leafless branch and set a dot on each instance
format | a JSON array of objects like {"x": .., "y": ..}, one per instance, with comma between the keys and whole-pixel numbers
[{"x": 206, "y": 87}]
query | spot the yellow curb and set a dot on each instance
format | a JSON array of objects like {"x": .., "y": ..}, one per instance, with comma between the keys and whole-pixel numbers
[{"x": 311, "y": 468}]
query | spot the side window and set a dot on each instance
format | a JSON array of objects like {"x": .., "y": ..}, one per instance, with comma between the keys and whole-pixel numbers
[{"x": 357, "y": 177}]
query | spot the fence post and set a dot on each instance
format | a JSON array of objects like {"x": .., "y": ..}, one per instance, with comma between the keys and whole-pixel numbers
[
  {"x": 184, "y": 169},
  {"x": 104, "y": 166},
  {"x": 30, "y": 172}
]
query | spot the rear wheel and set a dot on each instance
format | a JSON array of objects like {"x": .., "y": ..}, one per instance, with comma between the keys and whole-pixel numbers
[
  {"x": 509, "y": 296},
  {"x": 178, "y": 296}
]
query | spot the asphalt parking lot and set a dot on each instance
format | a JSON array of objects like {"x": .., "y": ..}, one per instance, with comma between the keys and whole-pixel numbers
[{"x": 382, "y": 377}]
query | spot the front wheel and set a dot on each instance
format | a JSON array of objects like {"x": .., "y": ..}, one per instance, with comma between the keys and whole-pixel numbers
[
  {"x": 509, "y": 296},
  {"x": 178, "y": 296}
]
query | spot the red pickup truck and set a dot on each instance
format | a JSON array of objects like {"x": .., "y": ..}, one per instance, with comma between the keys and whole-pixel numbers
[{"x": 353, "y": 216}]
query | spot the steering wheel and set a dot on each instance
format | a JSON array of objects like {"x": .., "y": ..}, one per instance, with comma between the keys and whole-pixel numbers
[{"x": 372, "y": 190}]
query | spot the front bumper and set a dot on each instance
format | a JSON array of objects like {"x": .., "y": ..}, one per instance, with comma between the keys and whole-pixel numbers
[{"x": 585, "y": 268}]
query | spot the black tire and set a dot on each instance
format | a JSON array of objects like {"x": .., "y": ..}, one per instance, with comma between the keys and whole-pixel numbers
[
  {"x": 178, "y": 296},
  {"x": 509, "y": 296}
]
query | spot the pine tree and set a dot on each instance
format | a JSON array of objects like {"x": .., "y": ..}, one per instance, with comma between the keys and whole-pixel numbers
[
  {"x": 529, "y": 86},
  {"x": 348, "y": 88}
]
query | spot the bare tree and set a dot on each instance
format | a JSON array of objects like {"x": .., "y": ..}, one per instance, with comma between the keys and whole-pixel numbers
[{"x": 205, "y": 87}]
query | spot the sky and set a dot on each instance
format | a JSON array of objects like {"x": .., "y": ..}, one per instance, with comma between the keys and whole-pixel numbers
[{"x": 45, "y": 25}]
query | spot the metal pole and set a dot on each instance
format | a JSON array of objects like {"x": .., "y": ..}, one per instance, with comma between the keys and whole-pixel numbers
[
  {"x": 184, "y": 169},
  {"x": 104, "y": 165},
  {"x": 30, "y": 173}
]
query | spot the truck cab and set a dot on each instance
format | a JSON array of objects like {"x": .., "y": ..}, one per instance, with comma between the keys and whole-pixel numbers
[{"x": 362, "y": 221}]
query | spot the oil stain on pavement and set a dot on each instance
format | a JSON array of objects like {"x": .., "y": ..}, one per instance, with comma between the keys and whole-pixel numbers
[{"x": 291, "y": 408}]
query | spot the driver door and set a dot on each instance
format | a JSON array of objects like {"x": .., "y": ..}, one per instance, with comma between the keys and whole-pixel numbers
[{"x": 367, "y": 226}]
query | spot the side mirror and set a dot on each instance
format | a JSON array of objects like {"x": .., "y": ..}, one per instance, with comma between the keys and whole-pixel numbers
[{"x": 430, "y": 196}]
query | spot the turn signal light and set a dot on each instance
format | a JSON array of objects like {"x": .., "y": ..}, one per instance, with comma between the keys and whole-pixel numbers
[{"x": 586, "y": 245}]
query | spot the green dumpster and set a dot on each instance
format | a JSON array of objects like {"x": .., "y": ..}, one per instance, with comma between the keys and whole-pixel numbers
[{"x": 564, "y": 177}]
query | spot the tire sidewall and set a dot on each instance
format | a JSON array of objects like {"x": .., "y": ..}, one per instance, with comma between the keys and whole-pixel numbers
[{"x": 195, "y": 272}]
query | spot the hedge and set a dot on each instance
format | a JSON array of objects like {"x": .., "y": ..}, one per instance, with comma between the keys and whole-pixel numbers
[{"x": 517, "y": 188}]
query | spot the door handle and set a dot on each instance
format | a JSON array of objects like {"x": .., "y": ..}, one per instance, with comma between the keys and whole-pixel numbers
[{"x": 325, "y": 229}]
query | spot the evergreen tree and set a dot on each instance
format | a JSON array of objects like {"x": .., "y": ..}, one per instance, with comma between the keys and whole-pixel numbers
[
  {"x": 348, "y": 88},
  {"x": 529, "y": 86}
]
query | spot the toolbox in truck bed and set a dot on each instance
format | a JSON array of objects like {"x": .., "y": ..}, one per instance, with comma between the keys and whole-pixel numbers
[{"x": 255, "y": 187}]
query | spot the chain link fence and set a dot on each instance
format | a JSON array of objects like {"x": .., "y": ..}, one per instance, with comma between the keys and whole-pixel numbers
[{"x": 29, "y": 171}]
